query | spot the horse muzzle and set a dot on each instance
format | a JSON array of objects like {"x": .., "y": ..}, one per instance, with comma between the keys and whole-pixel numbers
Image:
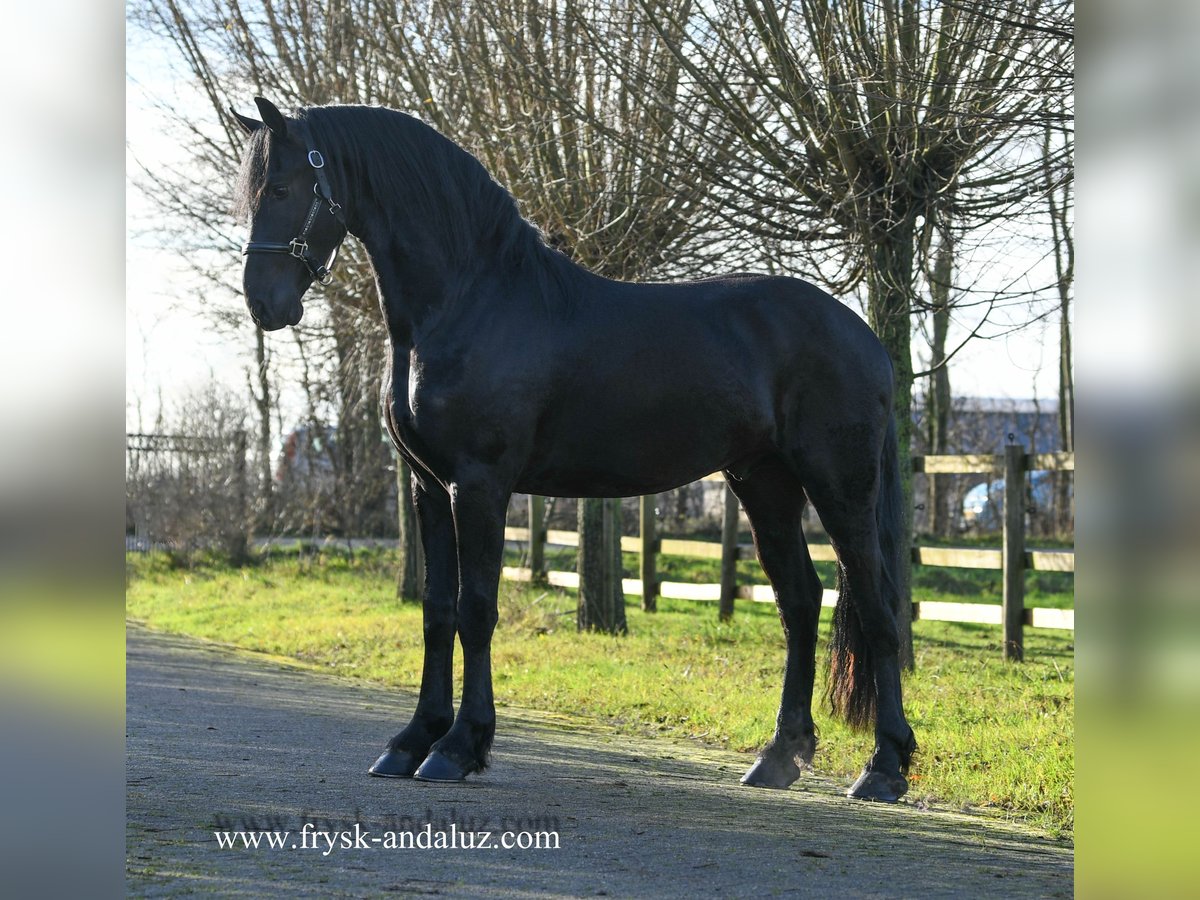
[{"x": 272, "y": 317}]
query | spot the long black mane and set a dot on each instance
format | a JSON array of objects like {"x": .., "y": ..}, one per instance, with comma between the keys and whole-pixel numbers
[{"x": 414, "y": 174}]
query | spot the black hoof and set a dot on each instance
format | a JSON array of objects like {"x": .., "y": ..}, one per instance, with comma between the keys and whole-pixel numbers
[
  {"x": 879, "y": 787},
  {"x": 395, "y": 764},
  {"x": 771, "y": 773},
  {"x": 438, "y": 767}
]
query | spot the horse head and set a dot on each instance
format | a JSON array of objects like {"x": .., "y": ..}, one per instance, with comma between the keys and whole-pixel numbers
[{"x": 296, "y": 226}]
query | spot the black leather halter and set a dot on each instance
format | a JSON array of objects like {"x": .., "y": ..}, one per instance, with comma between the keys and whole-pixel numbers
[{"x": 297, "y": 247}]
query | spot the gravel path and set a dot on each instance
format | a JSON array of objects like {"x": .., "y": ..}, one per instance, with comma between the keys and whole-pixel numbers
[{"x": 219, "y": 739}]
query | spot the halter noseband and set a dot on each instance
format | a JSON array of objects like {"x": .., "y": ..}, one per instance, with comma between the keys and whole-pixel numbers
[{"x": 297, "y": 247}]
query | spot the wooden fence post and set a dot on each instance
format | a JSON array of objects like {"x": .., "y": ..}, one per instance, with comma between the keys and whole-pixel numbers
[
  {"x": 729, "y": 556},
  {"x": 537, "y": 537},
  {"x": 1013, "y": 614},
  {"x": 411, "y": 557},
  {"x": 649, "y": 569},
  {"x": 613, "y": 520}
]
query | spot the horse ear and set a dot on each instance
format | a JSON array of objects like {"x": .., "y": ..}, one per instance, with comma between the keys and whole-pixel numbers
[
  {"x": 272, "y": 117},
  {"x": 248, "y": 124}
]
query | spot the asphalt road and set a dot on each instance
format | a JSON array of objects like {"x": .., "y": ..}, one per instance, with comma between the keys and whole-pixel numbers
[{"x": 222, "y": 740}]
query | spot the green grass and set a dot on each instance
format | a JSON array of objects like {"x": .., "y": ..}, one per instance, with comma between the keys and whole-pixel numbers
[{"x": 993, "y": 735}]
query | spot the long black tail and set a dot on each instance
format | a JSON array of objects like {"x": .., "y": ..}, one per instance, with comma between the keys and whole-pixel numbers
[{"x": 852, "y": 656}]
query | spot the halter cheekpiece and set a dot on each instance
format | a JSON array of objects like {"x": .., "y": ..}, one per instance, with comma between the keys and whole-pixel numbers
[{"x": 297, "y": 247}]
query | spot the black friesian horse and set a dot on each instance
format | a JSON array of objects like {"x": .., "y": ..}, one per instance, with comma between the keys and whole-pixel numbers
[{"x": 514, "y": 369}]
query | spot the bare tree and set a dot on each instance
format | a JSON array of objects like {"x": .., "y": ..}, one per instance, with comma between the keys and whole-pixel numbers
[
  {"x": 186, "y": 483},
  {"x": 865, "y": 120},
  {"x": 654, "y": 138},
  {"x": 585, "y": 152},
  {"x": 938, "y": 395},
  {"x": 231, "y": 50},
  {"x": 1059, "y": 206},
  {"x": 506, "y": 80}
]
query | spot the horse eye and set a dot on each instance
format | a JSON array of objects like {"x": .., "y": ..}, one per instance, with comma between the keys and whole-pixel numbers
[{"x": 279, "y": 191}]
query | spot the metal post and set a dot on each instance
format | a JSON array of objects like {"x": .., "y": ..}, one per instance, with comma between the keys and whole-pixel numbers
[{"x": 1013, "y": 615}]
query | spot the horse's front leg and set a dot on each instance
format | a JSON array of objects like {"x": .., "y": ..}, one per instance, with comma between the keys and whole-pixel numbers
[
  {"x": 479, "y": 504},
  {"x": 435, "y": 704}
]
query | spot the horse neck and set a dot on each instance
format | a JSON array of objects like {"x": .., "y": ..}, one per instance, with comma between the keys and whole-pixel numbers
[
  {"x": 419, "y": 281},
  {"x": 409, "y": 294}
]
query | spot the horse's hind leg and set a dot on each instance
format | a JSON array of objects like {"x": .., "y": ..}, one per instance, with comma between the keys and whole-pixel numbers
[
  {"x": 774, "y": 502},
  {"x": 865, "y": 676}
]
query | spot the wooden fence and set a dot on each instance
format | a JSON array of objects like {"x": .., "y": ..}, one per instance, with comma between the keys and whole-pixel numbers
[{"x": 1013, "y": 558}]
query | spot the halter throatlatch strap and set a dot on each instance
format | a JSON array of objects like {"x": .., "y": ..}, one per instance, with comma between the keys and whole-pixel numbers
[{"x": 297, "y": 247}]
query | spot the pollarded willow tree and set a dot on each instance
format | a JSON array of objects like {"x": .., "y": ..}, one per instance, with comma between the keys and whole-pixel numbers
[
  {"x": 868, "y": 123},
  {"x": 585, "y": 151}
]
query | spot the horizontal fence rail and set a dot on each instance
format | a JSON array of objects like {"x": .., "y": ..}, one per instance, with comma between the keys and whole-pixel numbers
[{"x": 1012, "y": 559}]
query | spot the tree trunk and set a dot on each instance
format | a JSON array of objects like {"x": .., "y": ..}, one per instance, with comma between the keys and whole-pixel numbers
[
  {"x": 346, "y": 451},
  {"x": 263, "y": 404},
  {"x": 648, "y": 532},
  {"x": 238, "y": 543},
  {"x": 939, "y": 394},
  {"x": 1064, "y": 254},
  {"x": 1059, "y": 208},
  {"x": 1066, "y": 415},
  {"x": 729, "y": 556},
  {"x": 411, "y": 561},
  {"x": 888, "y": 305},
  {"x": 1066, "y": 380},
  {"x": 601, "y": 598}
]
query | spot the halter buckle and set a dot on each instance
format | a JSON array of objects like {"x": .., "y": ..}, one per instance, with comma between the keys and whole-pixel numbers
[
  {"x": 315, "y": 159},
  {"x": 298, "y": 248},
  {"x": 334, "y": 206}
]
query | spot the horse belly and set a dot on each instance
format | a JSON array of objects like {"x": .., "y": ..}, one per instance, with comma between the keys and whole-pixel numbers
[{"x": 625, "y": 450}]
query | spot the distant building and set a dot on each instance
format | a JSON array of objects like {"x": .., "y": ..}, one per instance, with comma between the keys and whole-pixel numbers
[
  {"x": 306, "y": 459},
  {"x": 983, "y": 425},
  {"x": 986, "y": 425},
  {"x": 317, "y": 495}
]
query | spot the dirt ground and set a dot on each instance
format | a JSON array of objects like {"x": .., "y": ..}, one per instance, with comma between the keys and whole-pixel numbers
[{"x": 222, "y": 740}]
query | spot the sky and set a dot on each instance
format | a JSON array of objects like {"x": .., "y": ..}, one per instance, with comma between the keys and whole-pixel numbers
[{"x": 173, "y": 349}]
